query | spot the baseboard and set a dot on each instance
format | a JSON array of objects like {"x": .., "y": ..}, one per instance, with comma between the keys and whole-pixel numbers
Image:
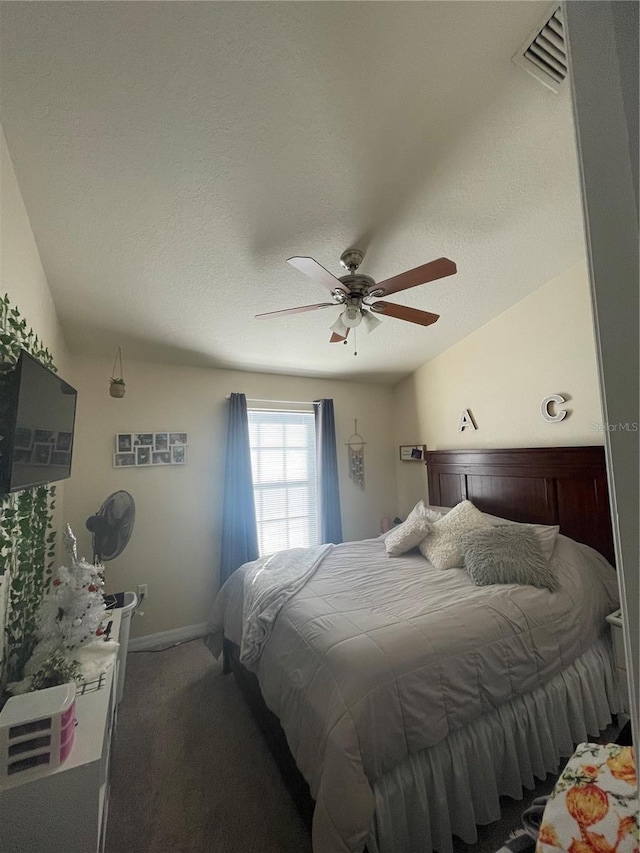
[{"x": 153, "y": 642}]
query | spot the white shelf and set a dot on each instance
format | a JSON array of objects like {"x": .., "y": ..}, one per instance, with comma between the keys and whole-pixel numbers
[{"x": 615, "y": 621}]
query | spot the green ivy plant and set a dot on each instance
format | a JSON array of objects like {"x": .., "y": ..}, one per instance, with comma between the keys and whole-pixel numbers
[{"x": 27, "y": 538}]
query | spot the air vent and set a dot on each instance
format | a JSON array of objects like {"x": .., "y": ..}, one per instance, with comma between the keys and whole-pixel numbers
[{"x": 545, "y": 55}]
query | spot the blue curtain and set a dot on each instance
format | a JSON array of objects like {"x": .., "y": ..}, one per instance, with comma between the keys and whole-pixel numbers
[
  {"x": 330, "y": 520},
  {"x": 239, "y": 529}
]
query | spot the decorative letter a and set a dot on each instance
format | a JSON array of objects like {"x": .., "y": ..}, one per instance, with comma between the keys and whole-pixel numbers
[{"x": 466, "y": 421}]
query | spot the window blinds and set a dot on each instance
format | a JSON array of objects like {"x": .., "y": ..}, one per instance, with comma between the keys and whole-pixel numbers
[{"x": 283, "y": 461}]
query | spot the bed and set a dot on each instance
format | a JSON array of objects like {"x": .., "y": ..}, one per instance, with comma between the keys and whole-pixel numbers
[{"x": 413, "y": 699}]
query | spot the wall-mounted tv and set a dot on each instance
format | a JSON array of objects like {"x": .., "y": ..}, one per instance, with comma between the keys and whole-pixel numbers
[{"x": 36, "y": 426}]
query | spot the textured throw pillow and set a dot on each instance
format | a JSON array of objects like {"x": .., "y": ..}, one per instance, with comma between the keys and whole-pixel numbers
[
  {"x": 507, "y": 554},
  {"x": 407, "y": 535},
  {"x": 442, "y": 547},
  {"x": 546, "y": 533}
]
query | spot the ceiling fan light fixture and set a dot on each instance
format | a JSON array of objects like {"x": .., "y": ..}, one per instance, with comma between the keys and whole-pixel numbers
[
  {"x": 339, "y": 328},
  {"x": 370, "y": 321},
  {"x": 351, "y": 316}
]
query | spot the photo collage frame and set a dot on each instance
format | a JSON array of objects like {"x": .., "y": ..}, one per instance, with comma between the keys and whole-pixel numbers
[{"x": 147, "y": 449}]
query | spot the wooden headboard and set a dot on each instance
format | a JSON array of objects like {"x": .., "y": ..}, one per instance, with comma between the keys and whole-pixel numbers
[{"x": 543, "y": 485}]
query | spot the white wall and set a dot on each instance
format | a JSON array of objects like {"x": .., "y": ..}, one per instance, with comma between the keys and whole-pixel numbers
[
  {"x": 23, "y": 279},
  {"x": 21, "y": 273},
  {"x": 175, "y": 546},
  {"x": 542, "y": 345}
]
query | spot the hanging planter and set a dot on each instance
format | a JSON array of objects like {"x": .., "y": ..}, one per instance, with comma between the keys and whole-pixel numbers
[
  {"x": 117, "y": 385},
  {"x": 117, "y": 388}
]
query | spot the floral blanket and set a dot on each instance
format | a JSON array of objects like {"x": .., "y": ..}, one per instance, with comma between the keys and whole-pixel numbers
[{"x": 594, "y": 805}]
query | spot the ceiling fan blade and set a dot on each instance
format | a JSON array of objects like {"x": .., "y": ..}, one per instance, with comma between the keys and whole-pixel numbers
[
  {"x": 403, "y": 312},
  {"x": 439, "y": 268},
  {"x": 318, "y": 273},
  {"x": 299, "y": 310},
  {"x": 336, "y": 338}
]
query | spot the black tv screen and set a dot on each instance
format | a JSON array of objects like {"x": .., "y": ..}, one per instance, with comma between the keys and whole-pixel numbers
[{"x": 38, "y": 422}]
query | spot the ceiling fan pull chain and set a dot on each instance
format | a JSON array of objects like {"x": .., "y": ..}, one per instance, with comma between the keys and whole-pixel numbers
[{"x": 355, "y": 348}]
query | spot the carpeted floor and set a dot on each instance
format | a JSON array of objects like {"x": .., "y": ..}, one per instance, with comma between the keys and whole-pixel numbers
[
  {"x": 191, "y": 774},
  {"x": 190, "y": 771}
]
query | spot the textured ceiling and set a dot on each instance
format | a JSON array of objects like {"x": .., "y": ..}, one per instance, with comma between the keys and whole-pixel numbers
[{"x": 173, "y": 155}]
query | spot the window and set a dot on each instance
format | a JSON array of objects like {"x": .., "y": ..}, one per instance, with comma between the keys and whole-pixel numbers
[{"x": 283, "y": 462}]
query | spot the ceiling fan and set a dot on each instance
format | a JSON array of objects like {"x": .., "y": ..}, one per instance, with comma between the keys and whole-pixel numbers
[{"x": 355, "y": 291}]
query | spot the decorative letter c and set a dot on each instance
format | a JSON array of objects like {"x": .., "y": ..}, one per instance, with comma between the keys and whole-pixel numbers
[{"x": 544, "y": 408}]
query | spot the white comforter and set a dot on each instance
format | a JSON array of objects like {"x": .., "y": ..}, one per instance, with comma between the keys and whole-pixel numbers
[{"x": 376, "y": 658}]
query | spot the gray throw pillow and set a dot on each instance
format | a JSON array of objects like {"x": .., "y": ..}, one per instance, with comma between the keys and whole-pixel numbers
[{"x": 507, "y": 554}]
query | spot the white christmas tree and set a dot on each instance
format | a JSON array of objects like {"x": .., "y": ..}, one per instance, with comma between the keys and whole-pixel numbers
[
  {"x": 69, "y": 619},
  {"x": 71, "y": 614}
]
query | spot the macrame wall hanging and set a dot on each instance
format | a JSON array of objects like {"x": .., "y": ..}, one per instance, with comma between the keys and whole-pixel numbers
[{"x": 355, "y": 449}]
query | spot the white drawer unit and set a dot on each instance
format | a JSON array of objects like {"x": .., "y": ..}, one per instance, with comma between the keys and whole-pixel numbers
[
  {"x": 37, "y": 729},
  {"x": 65, "y": 808},
  {"x": 615, "y": 621}
]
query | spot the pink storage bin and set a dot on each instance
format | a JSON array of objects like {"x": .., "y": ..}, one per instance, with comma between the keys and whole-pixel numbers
[
  {"x": 66, "y": 744},
  {"x": 69, "y": 714}
]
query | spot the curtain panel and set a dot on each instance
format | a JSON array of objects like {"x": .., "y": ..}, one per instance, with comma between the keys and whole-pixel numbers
[
  {"x": 239, "y": 530},
  {"x": 329, "y": 517}
]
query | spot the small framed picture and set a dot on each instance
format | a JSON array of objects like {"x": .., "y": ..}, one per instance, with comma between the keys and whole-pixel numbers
[
  {"x": 42, "y": 436},
  {"x": 178, "y": 438},
  {"x": 143, "y": 455},
  {"x": 124, "y": 460},
  {"x": 412, "y": 452},
  {"x": 162, "y": 457},
  {"x": 124, "y": 442},
  {"x": 22, "y": 438},
  {"x": 63, "y": 441},
  {"x": 178, "y": 454},
  {"x": 59, "y": 457},
  {"x": 161, "y": 441},
  {"x": 143, "y": 439},
  {"x": 41, "y": 453}
]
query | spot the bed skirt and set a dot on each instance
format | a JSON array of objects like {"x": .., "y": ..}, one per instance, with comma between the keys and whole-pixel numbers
[{"x": 448, "y": 789}]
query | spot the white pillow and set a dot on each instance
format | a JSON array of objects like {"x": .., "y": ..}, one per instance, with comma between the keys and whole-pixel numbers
[
  {"x": 438, "y": 511},
  {"x": 443, "y": 546},
  {"x": 422, "y": 511},
  {"x": 434, "y": 513},
  {"x": 407, "y": 535},
  {"x": 546, "y": 535}
]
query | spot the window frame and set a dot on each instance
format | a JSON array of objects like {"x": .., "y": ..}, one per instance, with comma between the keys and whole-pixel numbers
[{"x": 260, "y": 416}]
